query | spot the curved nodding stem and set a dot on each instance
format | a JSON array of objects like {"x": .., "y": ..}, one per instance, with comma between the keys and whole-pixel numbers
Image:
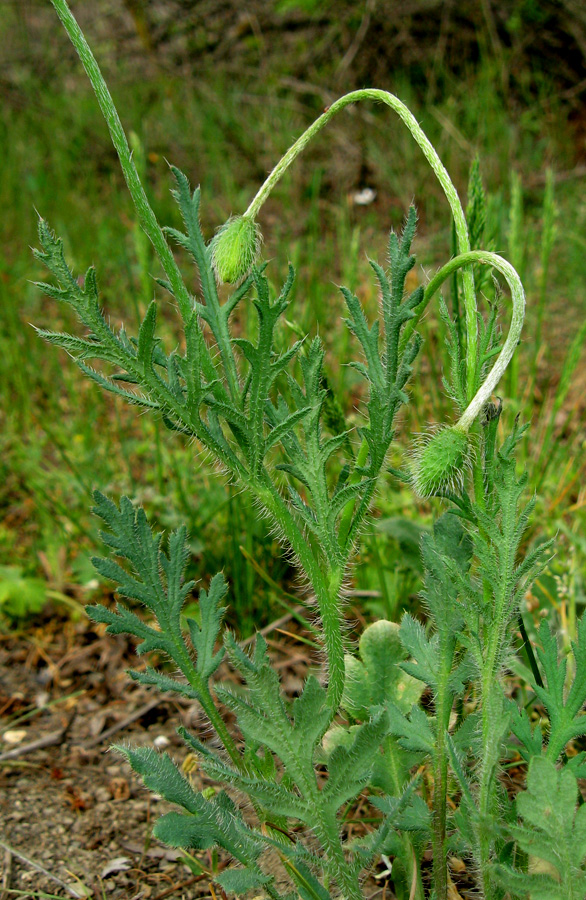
[
  {"x": 484, "y": 392},
  {"x": 436, "y": 164}
]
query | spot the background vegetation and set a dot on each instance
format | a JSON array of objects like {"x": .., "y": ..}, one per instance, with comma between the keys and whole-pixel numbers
[{"x": 221, "y": 89}]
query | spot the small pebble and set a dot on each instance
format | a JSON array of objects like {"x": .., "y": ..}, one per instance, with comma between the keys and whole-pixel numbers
[
  {"x": 15, "y": 736},
  {"x": 364, "y": 197}
]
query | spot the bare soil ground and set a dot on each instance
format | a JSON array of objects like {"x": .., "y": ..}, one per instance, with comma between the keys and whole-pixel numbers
[
  {"x": 74, "y": 819},
  {"x": 73, "y": 808}
]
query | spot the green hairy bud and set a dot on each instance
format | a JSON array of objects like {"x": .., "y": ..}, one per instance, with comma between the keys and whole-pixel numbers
[
  {"x": 235, "y": 249},
  {"x": 441, "y": 461}
]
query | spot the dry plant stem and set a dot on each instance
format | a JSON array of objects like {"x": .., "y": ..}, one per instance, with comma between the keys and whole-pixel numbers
[
  {"x": 436, "y": 164},
  {"x": 73, "y": 892}
]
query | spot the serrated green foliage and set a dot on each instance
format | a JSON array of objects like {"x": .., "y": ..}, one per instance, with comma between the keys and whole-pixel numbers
[
  {"x": 529, "y": 736},
  {"x": 155, "y": 578},
  {"x": 211, "y": 822},
  {"x": 492, "y": 598},
  {"x": 446, "y": 556},
  {"x": 160, "y": 774},
  {"x": 552, "y": 834},
  {"x": 423, "y": 649},
  {"x": 293, "y": 734},
  {"x": 101, "y": 342},
  {"x": 384, "y": 370},
  {"x": 239, "y": 881},
  {"x": 205, "y": 823},
  {"x": 564, "y": 704},
  {"x": 350, "y": 767},
  {"x": 264, "y": 719},
  {"x": 140, "y": 362},
  {"x": 476, "y": 214},
  {"x": 476, "y": 209},
  {"x": 415, "y": 732}
]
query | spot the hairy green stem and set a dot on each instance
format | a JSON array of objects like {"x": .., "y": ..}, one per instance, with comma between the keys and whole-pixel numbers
[
  {"x": 395, "y": 771},
  {"x": 331, "y": 616},
  {"x": 441, "y": 173},
  {"x": 490, "y": 691},
  {"x": 483, "y": 394},
  {"x": 326, "y": 585},
  {"x": 207, "y": 702},
  {"x": 443, "y": 707},
  {"x": 487, "y": 785},
  {"x": 328, "y": 830},
  {"x": 146, "y": 215},
  {"x": 355, "y": 476},
  {"x": 211, "y": 711}
]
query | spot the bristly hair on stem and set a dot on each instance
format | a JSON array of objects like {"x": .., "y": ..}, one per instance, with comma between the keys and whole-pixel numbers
[{"x": 266, "y": 414}]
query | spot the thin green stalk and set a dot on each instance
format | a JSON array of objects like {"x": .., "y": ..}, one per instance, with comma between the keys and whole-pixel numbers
[
  {"x": 146, "y": 215},
  {"x": 516, "y": 254},
  {"x": 478, "y": 471},
  {"x": 207, "y": 702},
  {"x": 329, "y": 833},
  {"x": 547, "y": 240},
  {"x": 570, "y": 363},
  {"x": 487, "y": 785},
  {"x": 436, "y": 164},
  {"x": 331, "y": 616},
  {"x": 456, "y": 297},
  {"x": 477, "y": 402},
  {"x": 327, "y": 586},
  {"x": 355, "y": 476},
  {"x": 396, "y": 775},
  {"x": 443, "y": 707},
  {"x": 490, "y": 689}
]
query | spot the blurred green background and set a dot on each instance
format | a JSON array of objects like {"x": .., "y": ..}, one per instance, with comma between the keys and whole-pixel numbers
[{"x": 221, "y": 89}]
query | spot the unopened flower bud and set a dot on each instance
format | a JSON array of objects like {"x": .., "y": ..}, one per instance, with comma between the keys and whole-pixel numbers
[
  {"x": 441, "y": 461},
  {"x": 235, "y": 248}
]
